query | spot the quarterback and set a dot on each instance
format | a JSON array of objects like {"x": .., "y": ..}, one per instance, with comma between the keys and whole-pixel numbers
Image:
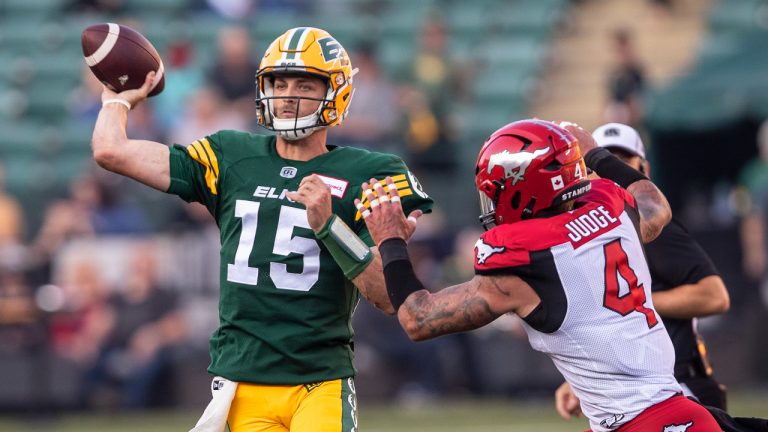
[
  {"x": 295, "y": 252},
  {"x": 565, "y": 254}
]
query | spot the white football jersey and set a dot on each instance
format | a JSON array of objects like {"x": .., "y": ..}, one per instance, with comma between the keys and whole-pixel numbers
[{"x": 596, "y": 318}]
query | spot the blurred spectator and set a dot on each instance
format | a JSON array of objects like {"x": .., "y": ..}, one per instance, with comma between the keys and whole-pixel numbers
[
  {"x": 754, "y": 177},
  {"x": 12, "y": 251},
  {"x": 18, "y": 314},
  {"x": 418, "y": 377},
  {"x": 303, "y": 7},
  {"x": 143, "y": 123},
  {"x": 231, "y": 9},
  {"x": 233, "y": 74},
  {"x": 663, "y": 7},
  {"x": 85, "y": 100},
  {"x": 460, "y": 264},
  {"x": 421, "y": 378},
  {"x": 101, "y": 196},
  {"x": 63, "y": 220},
  {"x": 459, "y": 267},
  {"x": 375, "y": 120},
  {"x": 81, "y": 319},
  {"x": 96, "y": 6},
  {"x": 434, "y": 86},
  {"x": 626, "y": 83},
  {"x": 94, "y": 207},
  {"x": 135, "y": 353},
  {"x": 179, "y": 61},
  {"x": 206, "y": 113},
  {"x": 11, "y": 215}
]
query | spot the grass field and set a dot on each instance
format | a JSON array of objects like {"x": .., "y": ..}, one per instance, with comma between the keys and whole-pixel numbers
[{"x": 453, "y": 416}]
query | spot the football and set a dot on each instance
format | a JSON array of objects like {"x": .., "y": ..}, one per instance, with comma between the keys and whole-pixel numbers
[{"x": 121, "y": 57}]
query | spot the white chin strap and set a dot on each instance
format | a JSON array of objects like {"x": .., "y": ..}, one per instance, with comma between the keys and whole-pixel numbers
[
  {"x": 296, "y": 129},
  {"x": 291, "y": 129}
]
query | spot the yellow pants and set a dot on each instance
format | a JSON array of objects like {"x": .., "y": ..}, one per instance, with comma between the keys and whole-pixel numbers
[{"x": 328, "y": 406}]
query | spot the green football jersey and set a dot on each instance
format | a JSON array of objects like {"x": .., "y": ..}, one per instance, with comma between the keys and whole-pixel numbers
[{"x": 285, "y": 306}]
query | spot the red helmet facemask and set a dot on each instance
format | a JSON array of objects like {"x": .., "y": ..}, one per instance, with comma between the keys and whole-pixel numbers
[{"x": 526, "y": 167}]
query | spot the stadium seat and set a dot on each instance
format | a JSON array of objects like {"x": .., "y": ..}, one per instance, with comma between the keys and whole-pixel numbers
[
  {"x": 48, "y": 100},
  {"x": 31, "y": 10},
  {"x": 167, "y": 8}
]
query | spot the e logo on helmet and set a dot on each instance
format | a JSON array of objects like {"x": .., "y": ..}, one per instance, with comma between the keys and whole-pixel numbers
[{"x": 330, "y": 48}]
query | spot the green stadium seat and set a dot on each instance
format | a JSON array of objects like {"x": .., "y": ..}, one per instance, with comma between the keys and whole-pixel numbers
[
  {"x": 48, "y": 100},
  {"x": 27, "y": 138},
  {"x": 396, "y": 58},
  {"x": 31, "y": 10},
  {"x": 742, "y": 14},
  {"x": 146, "y": 8},
  {"x": 524, "y": 52},
  {"x": 268, "y": 26},
  {"x": 506, "y": 88},
  {"x": 529, "y": 15},
  {"x": 479, "y": 121}
]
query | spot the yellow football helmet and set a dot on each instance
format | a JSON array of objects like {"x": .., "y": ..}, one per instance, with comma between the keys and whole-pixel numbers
[{"x": 312, "y": 51}]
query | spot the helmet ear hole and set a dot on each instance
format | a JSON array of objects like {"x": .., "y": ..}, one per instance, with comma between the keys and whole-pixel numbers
[
  {"x": 488, "y": 187},
  {"x": 553, "y": 166},
  {"x": 515, "y": 200}
]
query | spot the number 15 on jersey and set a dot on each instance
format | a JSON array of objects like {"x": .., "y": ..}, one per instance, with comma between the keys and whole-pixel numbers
[{"x": 285, "y": 243}]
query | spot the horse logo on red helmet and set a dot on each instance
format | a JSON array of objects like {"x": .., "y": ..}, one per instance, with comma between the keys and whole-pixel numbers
[
  {"x": 514, "y": 164},
  {"x": 526, "y": 167}
]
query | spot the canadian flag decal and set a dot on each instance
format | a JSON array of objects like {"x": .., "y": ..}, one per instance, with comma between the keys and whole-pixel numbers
[{"x": 557, "y": 182}]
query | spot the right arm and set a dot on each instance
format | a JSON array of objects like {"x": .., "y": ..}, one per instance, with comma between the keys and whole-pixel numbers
[
  {"x": 652, "y": 205},
  {"x": 145, "y": 161}
]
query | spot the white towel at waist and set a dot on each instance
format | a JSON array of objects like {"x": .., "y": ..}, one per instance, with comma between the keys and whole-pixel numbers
[{"x": 214, "y": 418}]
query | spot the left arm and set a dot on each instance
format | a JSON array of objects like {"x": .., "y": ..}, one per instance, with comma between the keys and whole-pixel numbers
[
  {"x": 371, "y": 284},
  {"x": 316, "y": 197}
]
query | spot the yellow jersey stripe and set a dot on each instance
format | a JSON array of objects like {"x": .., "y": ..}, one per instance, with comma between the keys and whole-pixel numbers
[
  {"x": 402, "y": 192},
  {"x": 211, "y": 156},
  {"x": 192, "y": 148},
  {"x": 207, "y": 159},
  {"x": 402, "y": 184}
]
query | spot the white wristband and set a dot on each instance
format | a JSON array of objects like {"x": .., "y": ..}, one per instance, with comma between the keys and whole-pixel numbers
[{"x": 122, "y": 102}]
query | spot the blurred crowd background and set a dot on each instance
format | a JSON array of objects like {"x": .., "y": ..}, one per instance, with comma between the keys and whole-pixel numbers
[{"x": 108, "y": 290}]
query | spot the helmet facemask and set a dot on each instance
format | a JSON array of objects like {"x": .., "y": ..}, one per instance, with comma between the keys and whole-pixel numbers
[
  {"x": 528, "y": 168},
  {"x": 488, "y": 205},
  {"x": 310, "y": 52},
  {"x": 298, "y": 127}
]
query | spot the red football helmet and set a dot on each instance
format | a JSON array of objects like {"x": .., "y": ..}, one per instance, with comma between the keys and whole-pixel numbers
[{"x": 526, "y": 167}]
